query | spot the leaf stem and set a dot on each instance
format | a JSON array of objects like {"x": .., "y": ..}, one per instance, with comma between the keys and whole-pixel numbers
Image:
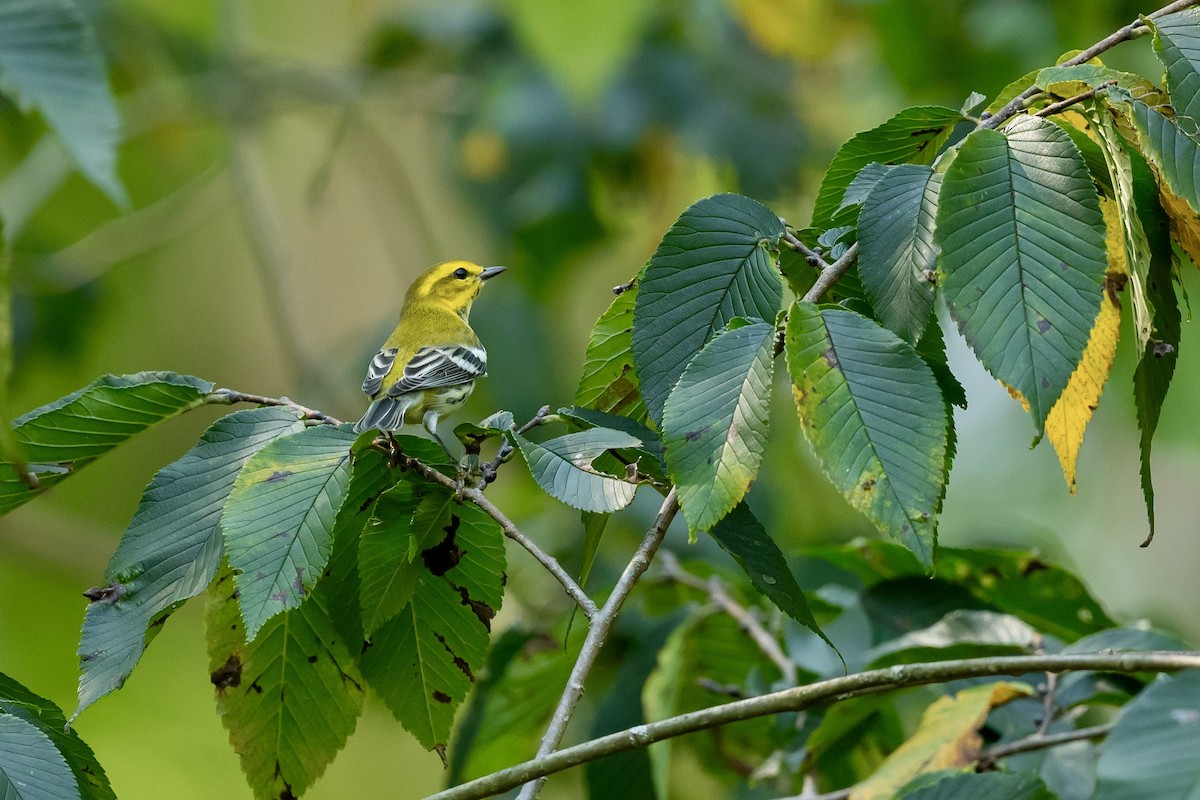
[
  {"x": 601, "y": 623},
  {"x": 802, "y": 697}
]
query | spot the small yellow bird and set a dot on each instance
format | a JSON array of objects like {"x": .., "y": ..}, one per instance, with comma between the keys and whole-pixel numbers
[{"x": 429, "y": 364}]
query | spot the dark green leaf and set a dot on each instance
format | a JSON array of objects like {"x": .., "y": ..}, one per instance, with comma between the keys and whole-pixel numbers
[
  {"x": 290, "y": 698},
  {"x": 278, "y": 520},
  {"x": 63, "y": 437},
  {"x": 1125, "y": 640},
  {"x": 872, "y": 411},
  {"x": 852, "y": 740},
  {"x": 717, "y": 262},
  {"x": 655, "y": 465},
  {"x": 472, "y": 434},
  {"x": 423, "y": 661},
  {"x": 866, "y": 180},
  {"x": 172, "y": 548},
  {"x": 742, "y": 536},
  {"x": 1177, "y": 44},
  {"x": 1023, "y": 255},
  {"x": 31, "y": 768},
  {"x": 715, "y": 422},
  {"x": 913, "y": 136},
  {"x": 979, "y": 786},
  {"x": 897, "y": 258},
  {"x": 50, "y": 58},
  {"x": 593, "y": 531},
  {"x": 609, "y": 381},
  {"x": 1152, "y": 750},
  {"x": 563, "y": 467},
  {"x": 960, "y": 634},
  {"x": 18, "y": 701}
]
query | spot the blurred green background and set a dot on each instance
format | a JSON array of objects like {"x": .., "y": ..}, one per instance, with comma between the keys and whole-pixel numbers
[{"x": 294, "y": 163}]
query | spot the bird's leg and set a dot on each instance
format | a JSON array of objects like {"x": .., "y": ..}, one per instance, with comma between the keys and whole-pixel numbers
[
  {"x": 394, "y": 449},
  {"x": 430, "y": 421}
]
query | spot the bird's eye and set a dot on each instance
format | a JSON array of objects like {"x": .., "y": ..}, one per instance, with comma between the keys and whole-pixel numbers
[{"x": 460, "y": 273}]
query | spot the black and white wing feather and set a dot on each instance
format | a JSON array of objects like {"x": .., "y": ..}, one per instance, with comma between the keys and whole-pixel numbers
[
  {"x": 380, "y": 366},
  {"x": 447, "y": 365}
]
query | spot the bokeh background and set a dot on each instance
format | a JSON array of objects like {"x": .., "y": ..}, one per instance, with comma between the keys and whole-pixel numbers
[{"x": 294, "y": 163}]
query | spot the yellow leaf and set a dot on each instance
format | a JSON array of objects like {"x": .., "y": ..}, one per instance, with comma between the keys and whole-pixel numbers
[
  {"x": 947, "y": 737},
  {"x": 1185, "y": 223},
  {"x": 1070, "y": 415}
]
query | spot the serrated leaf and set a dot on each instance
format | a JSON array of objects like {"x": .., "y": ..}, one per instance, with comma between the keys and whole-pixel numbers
[
  {"x": 609, "y": 382},
  {"x": 18, "y": 701},
  {"x": 278, "y": 520},
  {"x": 1023, "y": 258},
  {"x": 172, "y": 548},
  {"x": 948, "y": 736},
  {"x": 563, "y": 467},
  {"x": 866, "y": 180},
  {"x": 423, "y": 661},
  {"x": 897, "y": 255},
  {"x": 1067, "y": 421},
  {"x": 471, "y": 434},
  {"x": 873, "y": 413},
  {"x": 31, "y": 768},
  {"x": 715, "y": 422},
  {"x": 291, "y": 698},
  {"x": 649, "y": 455},
  {"x": 1175, "y": 158},
  {"x": 1151, "y": 750},
  {"x": 63, "y": 437},
  {"x": 742, "y": 536},
  {"x": 404, "y": 521},
  {"x": 912, "y": 136},
  {"x": 716, "y": 263},
  {"x": 1177, "y": 45}
]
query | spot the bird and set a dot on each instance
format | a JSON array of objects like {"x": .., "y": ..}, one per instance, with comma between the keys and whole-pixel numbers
[{"x": 429, "y": 364}]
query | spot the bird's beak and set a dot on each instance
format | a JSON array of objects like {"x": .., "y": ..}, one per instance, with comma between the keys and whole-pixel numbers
[{"x": 491, "y": 272}]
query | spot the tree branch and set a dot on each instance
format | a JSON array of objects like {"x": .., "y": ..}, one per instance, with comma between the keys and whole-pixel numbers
[
  {"x": 601, "y": 623},
  {"x": 1130, "y": 31},
  {"x": 802, "y": 697},
  {"x": 228, "y": 397},
  {"x": 1061, "y": 105}
]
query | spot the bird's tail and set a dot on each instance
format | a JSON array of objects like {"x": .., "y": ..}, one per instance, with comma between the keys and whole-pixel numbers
[{"x": 385, "y": 414}]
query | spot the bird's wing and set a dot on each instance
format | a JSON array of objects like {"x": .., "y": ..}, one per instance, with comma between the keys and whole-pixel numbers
[
  {"x": 445, "y": 365},
  {"x": 380, "y": 366}
]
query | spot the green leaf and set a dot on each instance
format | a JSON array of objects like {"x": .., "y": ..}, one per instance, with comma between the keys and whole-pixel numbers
[
  {"x": 867, "y": 179},
  {"x": 291, "y": 698},
  {"x": 1151, "y": 751},
  {"x": 31, "y": 768},
  {"x": 913, "y": 136},
  {"x": 512, "y": 704},
  {"x": 563, "y": 467},
  {"x": 172, "y": 548},
  {"x": 649, "y": 455},
  {"x": 63, "y": 437},
  {"x": 50, "y": 59},
  {"x": 981, "y": 786},
  {"x": 17, "y": 701},
  {"x": 742, "y": 536},
  {"x": 716, "y": 419},
  {"x": 1023, "y": 256},
  {"x": 717, "y": 262},
  {"x": 609, "y": 382},
  {"x": 278, "y": 520},
  {"x": 423, "y": 661},
  {"x": 473, "y": 434},
  {"x": 405, "y": 520},
  {"x": 897, "y": 258},
  {"x": 852, "y": 740},
  {"x": 873, "y": 413},
  {"x": 593, "y": 532},
  {"x": 1177, "y": 44},
  {"x": 960, "y": 634}
]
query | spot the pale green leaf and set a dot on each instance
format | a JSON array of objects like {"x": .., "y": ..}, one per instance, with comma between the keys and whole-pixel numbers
[
  {"x": 563, "y": 467},
  {"x": 31, "y": 768},
  {"x": 609, "y": 382},
  {"x": 1177, "y": 44}
]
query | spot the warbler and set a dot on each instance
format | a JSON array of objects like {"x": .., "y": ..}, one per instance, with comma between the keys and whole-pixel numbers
[{"x": 429, "y": 364}]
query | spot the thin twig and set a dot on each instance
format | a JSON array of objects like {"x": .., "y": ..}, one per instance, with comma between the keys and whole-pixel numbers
[
  {"x": 1048, "y": 704},
  {"x": 813, "y": 258},
  {"x": 489, "y": 469},
  {"x": 830, "y": 274},
  {"x": 601, "y": 623},
  {"x": 1055, "y": 108},
  {"x": 745, "y": 619},
  {"x": 1130, "y": 31},
  {"x": 230, "y": 396},
  {"x": 802, "y": 697},
  {"x": 1041, "y": 742}
]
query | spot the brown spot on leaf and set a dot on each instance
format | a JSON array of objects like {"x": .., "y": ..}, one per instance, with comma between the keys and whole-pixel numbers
[
  {"x": 444, "y": 556},
  {"x": 228, "y": 674},
  {"x": 1043, "y": 325},
  {"x": 830, "y": 358},
  {"x": 279, "y": 475},
  {"x": 312, "y": 659},
  {"x": 286, "y": 792},
  {"x": 1031, "y": 566},
  {"x": 256, "y": 687},
  {"x": 868, "y": 484},
  {"x": 482, "y": 610},
  {"x": 440, "y": 696}
]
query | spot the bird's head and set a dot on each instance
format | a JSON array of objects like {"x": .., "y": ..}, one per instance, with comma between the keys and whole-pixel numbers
[{"x": 453, "y": 285}]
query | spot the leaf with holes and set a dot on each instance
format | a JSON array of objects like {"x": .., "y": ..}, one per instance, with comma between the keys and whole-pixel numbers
[
  {"x": 913, "y": 136},
  {"x": 872, "y": 410},
  {"x": 50, "y": 58},
  {"x": 718, "y": 261},
  {"x": 63, "y": 437},
  {"x": 423, "y": 661},
  {"x": 290, "y": 698},
  {"x": 563, "y": 467},
  {"x": 172, "y": 548},
  {"x": 715, "y": 421},
  {"x": 609, "y": 382},
  {"x": 1023, "y": 258},
  {"x": 897, "y": 256},
  {"x": 278, "y": 520}
]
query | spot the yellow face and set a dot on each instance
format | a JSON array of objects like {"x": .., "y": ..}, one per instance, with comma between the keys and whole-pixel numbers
[{"x": 453, "y": 284}]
